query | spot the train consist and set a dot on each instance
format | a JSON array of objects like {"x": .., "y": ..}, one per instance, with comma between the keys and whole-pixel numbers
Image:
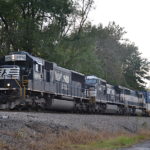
[{"x": 31, "y": 82}]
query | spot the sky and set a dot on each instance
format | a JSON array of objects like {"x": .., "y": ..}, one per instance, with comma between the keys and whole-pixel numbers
[{"x": 133, "y": 15}]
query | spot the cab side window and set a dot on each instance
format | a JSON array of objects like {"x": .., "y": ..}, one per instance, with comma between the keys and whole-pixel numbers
[
  {"x": 38, "y": 68},
  {"x": 47, "y": 76}
]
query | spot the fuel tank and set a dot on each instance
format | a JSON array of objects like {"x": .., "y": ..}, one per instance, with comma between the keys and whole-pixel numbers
[{"x": 62, "y": 105}]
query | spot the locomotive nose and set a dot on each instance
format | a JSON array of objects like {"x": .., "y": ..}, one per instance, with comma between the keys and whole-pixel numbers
[{"x": 8, "y": 75}]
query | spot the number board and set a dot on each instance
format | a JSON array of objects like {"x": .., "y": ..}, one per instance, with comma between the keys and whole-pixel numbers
[{"x": 15, "y": 57}]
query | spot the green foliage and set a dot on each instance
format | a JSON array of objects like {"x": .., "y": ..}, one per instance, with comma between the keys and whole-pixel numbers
[
  {"x": 76, "y": 52},
  {"x": 26, "y": 23},
  {"x": 136, "y": 69},
  {"x": 102, "y": 51},
  {"x": 111, "y": 144},
  {"x": 57, "y": 31}
]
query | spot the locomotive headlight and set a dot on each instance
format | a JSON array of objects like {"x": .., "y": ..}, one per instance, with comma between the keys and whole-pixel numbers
[
  {"x": 13, "y": 57},
  {"x": 8, "y": 84}
]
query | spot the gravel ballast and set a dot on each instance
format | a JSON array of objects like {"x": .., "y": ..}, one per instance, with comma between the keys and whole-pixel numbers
[
  {"x": 56, "y": 122},
  {"x": 31, "y": 130}
]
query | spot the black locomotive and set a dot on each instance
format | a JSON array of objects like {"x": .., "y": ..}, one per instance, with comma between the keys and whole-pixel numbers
[{"x": 31, "y": 82}]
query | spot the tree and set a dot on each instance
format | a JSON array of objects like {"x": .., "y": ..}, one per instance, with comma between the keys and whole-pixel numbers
[
  {"x": 136, "y": 69},
  {"x": 26, "y": 22},
  {"x": 58, "y": 31},
  {"x": 37, "y": 25},
  {"x": 102, "y": 51}
]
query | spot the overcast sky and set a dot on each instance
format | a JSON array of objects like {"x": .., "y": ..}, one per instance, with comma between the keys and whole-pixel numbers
[{"x": 133, "y": 15}]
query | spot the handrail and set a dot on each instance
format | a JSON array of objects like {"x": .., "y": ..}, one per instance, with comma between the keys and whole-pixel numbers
[
  {"x": 19, "y": 87},
  {"x": 23, "y": 84}
]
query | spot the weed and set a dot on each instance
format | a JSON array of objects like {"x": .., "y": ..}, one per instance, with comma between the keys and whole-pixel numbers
[{"x": 70, "y": 140}]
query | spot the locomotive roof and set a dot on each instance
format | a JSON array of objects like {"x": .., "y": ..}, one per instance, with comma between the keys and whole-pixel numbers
[
  {"x": 62, "y": 69},
  {"x": 19, "y": 52},
  {"x": 41, "y": 61},
  {"x": 110, "y": 86},
  {"x": 36, "y": 59},
  {"x": 123, "y": 88},
  {"x": 95, "y": 77},
  {"x": 77, "y": 73}
]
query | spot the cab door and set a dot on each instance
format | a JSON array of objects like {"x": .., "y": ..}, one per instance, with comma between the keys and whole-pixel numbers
[{"x": 38, "y": 77}]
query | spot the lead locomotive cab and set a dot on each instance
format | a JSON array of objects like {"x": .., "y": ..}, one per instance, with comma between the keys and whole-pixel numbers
[{"x": 15, "y": 70}]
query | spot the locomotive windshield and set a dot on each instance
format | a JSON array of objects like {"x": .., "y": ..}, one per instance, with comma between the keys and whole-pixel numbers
[
  {"x": 16, "y": 63},
  {"x": 91, "y": 81},
  {"x": 25, "y": 68}
]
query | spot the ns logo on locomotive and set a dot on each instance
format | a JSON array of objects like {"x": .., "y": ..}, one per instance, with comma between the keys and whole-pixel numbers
[{"x": 31, "y": 82}]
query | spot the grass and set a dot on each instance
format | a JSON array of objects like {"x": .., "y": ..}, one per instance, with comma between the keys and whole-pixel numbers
[
  {"x": 112, "y": 143},
  {"x": 44, "y": 139}
]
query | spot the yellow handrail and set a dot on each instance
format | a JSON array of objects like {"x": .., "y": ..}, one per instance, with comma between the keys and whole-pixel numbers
[{"x": 19, "y": 87}]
